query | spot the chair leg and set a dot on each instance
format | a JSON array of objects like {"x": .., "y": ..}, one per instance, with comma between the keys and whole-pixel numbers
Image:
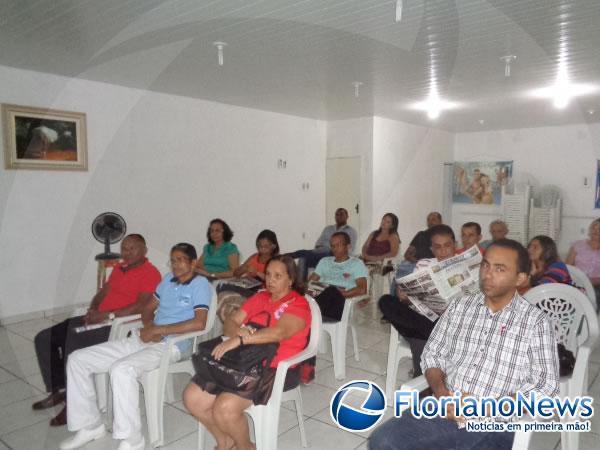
[
  {"x": 298, "y": 406},
  {"x": 169, "y": 389},
  {"x": 354, "y": 343},
  {"x": 154, "y": 408},
  {"x": 338, "y": 345},
  {"x": 201, "y": 436},
  {"x": 391, "y": 372}
]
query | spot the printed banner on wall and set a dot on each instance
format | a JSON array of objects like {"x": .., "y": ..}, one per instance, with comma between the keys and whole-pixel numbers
[{"x": 480, "y": 182}]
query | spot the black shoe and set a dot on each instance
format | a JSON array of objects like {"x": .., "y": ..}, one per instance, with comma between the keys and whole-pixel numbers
[
  {"x": 55, "y": 398},
  {"x": 60, "y": 419}
]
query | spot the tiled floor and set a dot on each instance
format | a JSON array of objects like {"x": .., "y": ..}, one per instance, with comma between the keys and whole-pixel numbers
[{"x": 21, "y": 385}]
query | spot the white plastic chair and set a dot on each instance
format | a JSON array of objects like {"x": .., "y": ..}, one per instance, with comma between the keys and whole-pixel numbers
[
  {"x": 338, "y": 331},
  {"x": 266, "y": 417},
  {"x": 398, "y": 349},
  {"x": 576, "y": 327},
  {"x": 581, "y": 280},
  {"x": 380, "y": 284},
  {"x": 154, "y": 382},
  {"x": 117, "y": 331}
]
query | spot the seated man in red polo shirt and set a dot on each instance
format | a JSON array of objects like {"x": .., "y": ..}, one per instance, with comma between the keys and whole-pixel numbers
[{"x": 130, "y": 285}]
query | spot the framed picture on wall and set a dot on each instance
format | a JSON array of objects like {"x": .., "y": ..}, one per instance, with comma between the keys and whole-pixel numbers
[
  {"x": 480, "y": 182},
  {"x": 40, "y": 138}
]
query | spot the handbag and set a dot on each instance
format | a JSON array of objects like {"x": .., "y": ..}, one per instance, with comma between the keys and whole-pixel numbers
[
  {"x": 239, "y": 370},
  {"x": 566, "y": 360}
]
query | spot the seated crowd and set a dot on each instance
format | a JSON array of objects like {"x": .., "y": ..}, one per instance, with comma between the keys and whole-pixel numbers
[{"x": 70, "y": 352}]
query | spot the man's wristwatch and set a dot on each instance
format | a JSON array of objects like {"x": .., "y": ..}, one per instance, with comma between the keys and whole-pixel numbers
[{"x": 111, "y": 316}]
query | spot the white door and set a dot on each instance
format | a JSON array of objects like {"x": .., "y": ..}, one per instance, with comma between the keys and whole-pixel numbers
[{"x": 343, "y": 189}]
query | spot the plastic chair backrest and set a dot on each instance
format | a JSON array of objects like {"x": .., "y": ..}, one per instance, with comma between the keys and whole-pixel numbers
[
  {"x": 568, "y": 309},
  {"x": 581, "y": 280},
  {"x": 315, "y": 325}
]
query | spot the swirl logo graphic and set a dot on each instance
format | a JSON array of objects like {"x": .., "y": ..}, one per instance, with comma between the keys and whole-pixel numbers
[{"x": 361, "y": 418}]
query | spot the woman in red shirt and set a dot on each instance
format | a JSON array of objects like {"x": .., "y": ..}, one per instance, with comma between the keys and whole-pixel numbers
[{"x": 222, "y": 413}]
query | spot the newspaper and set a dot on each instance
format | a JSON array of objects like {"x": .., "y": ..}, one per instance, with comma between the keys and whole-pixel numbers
[
  {"x": 242, "y": 282},
  {"x": 431, "y": 289}
]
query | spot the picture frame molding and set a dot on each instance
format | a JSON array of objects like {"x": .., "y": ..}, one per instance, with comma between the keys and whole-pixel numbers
[{"x": 11, "y": 162}]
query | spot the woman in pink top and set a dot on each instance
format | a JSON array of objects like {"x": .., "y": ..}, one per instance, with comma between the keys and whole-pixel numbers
[{"x": 585, "y": 255}]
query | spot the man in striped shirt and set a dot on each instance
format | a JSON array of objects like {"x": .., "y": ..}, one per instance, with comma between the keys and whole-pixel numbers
[{"x": 493, "y": 343}]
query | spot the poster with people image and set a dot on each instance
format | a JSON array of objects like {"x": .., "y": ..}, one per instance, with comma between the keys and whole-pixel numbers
[{"x": 480, "y": 182}]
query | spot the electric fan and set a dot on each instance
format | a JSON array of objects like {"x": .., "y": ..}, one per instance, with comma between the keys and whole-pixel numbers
[{"x": 108, "y": 228}]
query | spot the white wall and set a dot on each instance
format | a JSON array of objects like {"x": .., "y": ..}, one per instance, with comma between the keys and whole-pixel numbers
[
  {"x": 354, "y": 138},
  {"x": 561, "y": 156},
  {"x": 168, "y": 164},
  {"x": 402, "y": 167},
  {"x": 408, "y": 165}
]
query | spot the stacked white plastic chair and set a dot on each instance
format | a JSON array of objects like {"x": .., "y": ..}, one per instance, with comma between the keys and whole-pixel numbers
[{"x": 266, "y": 417}]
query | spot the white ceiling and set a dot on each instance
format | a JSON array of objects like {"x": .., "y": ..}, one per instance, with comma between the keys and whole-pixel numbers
[{"x": 301, "y": 57}]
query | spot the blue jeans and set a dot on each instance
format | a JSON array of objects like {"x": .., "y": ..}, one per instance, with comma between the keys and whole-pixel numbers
[{"x": 409, "y": 433}]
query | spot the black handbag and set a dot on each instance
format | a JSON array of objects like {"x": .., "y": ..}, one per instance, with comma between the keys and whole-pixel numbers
[
  {"x": 239, "y": 370},
  {"x": 566, "y": 360}
]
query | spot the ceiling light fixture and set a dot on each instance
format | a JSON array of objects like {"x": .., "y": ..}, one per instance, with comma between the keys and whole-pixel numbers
[
  {"x": 399, "y": 4},
  {"x": 220, "y": 45},
  {"x": 433, "y": 105},
  {"x": 357, "y": 85},
  {"x": 591, "y": 112},
  {"x": 508, "y": 59}
]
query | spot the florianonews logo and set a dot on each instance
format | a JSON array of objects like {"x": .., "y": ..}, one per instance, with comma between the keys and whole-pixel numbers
[{"x": 370, "y": 399}]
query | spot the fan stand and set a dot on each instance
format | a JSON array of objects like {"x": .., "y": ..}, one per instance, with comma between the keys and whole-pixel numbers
[{"x": 106, "y": 260}]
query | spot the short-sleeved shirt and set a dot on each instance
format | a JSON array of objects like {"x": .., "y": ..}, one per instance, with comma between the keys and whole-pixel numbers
[
  {"x": 343, "y": 274},
  {"x": 587, "y": 259},
  {"x": 259, "y": 308},
  {"x": 422, "y": 243},
  {"x": 124, "y": 285},
  {"x": 178, "y": 302},
  {"x": 324, "y": 240},
  {"x": 216, "y": 260}
]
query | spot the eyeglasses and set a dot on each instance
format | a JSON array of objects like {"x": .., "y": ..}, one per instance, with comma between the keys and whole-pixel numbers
[{"x": 178, "y": 262}]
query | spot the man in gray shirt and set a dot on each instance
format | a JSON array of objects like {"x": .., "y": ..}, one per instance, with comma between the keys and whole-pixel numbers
[{"x": 310, "y": 258}]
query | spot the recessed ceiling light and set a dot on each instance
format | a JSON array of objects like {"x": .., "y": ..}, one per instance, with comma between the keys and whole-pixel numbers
[
  {"x": 481, "y": 121},
  {"x": 591, "y": 112}
]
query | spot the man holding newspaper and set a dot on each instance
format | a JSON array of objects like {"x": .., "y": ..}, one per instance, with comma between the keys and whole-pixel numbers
[{"x": 422, "y": 296}]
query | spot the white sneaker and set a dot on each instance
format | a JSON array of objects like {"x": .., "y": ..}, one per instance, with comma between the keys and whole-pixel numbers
[
  {"x": 133, "y": 444},
  {"x": 82, "y": 437}
]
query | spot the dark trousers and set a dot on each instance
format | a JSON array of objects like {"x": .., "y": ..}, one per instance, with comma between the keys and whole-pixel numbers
[
  {"x": 410, "y": 433},
  {"x": 53, "y": 345},
  {"x": 308, "y": 258},
  {"x": 411, "y": 325}
]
